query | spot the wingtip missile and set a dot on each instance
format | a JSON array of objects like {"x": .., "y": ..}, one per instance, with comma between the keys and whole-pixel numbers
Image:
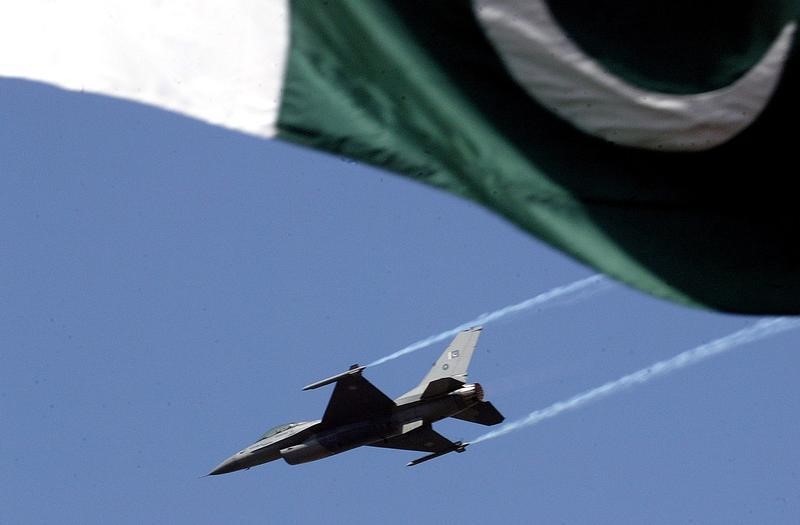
[
  {"x": 354, "y": 369},
  {"x": 458, "y": 446}
]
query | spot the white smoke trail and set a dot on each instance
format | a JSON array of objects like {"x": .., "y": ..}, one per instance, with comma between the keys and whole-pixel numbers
[
  {"x": 761, "y": 329},
  {"x": 589, "y": 285}
]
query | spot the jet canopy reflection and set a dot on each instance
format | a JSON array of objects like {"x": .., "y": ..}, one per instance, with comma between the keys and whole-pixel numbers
[{"x": 277, "y": 430}]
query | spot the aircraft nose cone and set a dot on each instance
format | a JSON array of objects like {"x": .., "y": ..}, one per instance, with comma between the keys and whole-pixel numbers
[{"x": 229, "y": 465}]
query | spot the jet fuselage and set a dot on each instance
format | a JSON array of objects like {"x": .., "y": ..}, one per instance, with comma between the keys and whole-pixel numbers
[
  {"x": 314, "y": 440},
  {"x": 358, "y": 413}
]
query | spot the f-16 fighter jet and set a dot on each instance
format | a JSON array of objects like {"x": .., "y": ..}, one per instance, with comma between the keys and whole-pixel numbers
[{"x": 360, "y": 414}]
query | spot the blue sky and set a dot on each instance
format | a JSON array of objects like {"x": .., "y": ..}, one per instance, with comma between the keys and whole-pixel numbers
[{"x": 168, "y": 287}]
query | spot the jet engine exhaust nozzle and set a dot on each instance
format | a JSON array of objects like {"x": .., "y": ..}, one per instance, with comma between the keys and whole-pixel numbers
[
  {"x": 471, "y": 390},
  {"x": 479, "y": 391}
]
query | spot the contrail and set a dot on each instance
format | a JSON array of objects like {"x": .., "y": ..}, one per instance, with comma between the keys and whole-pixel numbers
[
  {"x": 760, "y": 330},
  {"x": 590, "y": 284}
]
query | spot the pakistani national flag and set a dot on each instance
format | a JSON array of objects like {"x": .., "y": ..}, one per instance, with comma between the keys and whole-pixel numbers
[{"x": 651, "y": 140}]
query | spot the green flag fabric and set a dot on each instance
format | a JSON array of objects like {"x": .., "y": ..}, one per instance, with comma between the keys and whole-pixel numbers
[
  {"x": 652, "y": 141},
  {"x": 681, "y": 194}
]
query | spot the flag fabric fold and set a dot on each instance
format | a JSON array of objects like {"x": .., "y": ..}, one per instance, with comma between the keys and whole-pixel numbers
[{"x": 652, "y": 142}]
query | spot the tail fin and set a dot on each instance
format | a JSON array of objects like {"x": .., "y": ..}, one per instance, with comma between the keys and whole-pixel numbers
[{"x": 452, "y": 364}]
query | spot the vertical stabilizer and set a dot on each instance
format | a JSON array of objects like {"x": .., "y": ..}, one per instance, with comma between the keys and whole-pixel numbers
[{"x": 453, "y": 363}]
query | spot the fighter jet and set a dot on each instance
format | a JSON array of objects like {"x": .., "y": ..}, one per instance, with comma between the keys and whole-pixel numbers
[{"x": 360, "y": 414}]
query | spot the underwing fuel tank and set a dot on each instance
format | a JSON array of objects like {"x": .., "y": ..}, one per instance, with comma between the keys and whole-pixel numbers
[{"x": 304, "y": 452}]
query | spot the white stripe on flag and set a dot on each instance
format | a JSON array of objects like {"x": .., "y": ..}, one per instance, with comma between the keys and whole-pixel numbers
[{"x": 220, "y": 62}]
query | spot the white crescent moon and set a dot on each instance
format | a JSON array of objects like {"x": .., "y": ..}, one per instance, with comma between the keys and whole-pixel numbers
[{"x": 553, "y": 70}]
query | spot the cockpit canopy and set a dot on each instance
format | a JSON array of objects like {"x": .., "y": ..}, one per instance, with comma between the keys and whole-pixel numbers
[{"x": 280, "y": 428}]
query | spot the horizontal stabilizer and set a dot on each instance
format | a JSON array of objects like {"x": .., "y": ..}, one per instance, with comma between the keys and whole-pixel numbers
[{"x": 483, "y": 413}]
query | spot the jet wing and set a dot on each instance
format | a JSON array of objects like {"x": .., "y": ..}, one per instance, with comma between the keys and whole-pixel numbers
[
  {"x": 355, "y": 398},
  {"x": 424, "y": 438}
]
